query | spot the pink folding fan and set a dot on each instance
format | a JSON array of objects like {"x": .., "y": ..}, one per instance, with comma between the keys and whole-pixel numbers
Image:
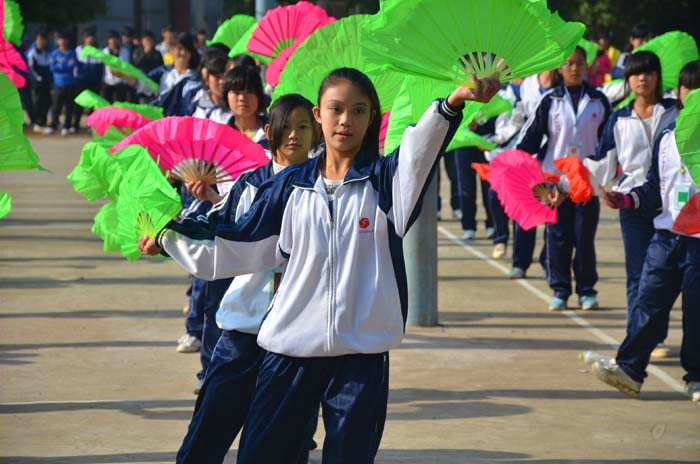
[
  {"x": 513, "y": 175},
  {"x": 121, "y": 118},
  {"x": 195, "y": 149},
  {"x": 11, "y": 62}
]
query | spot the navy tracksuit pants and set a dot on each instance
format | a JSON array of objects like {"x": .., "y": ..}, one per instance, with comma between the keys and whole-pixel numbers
[
  {"x": 575, "y": 228},
  {"x": 671, "y": 267},
  {"x": 353, "y": 391},
  {"x": 501, "y": 223},
  {"x": 204, "y": 301},
  {"x": 466, "y": 179},
  {"x": 637, "y": 230},
  {"x": 224, "y": 400}
]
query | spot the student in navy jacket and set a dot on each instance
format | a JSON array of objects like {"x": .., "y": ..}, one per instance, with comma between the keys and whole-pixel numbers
[
  {"x": 90, "y": 72},
  {"x": 671, "y": 266},
  {"x": 337, "y": 221},
  {"x": 625, "y": 152},
  {"x": 39, "y": 65},
  {"x": 572, "y": 117},
  {"x": 64, "y": 66}
]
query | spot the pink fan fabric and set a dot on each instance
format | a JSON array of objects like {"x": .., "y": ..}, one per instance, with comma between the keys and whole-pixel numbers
[
  {"x": 121, "y": 118},
  {"x": 177, "y": 139},
  {"x": 513, "y": 174},
  {"x": 383, "y": 128},
  {"x": 276, "y": 66},
  {"x": 286, "y": 23},
  {"x": 10, "y": 62}
]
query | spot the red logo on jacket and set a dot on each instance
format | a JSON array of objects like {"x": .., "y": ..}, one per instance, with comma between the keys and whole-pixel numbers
[{"x": 364, "y": 223}]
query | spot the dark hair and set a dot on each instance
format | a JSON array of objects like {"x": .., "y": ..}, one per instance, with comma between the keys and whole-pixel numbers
[
  {"x": 557, "y": 78},
  {"x": 201, "y": 31},
  {"x": 214, "y": 62},
  {"x": 128, "y": 31},
  {"x": 640, "y": 31},
  {"x": 186, "y": 41},
  {"x": 644, "y": 62},
  {"x": 243, "y": 59},
  {"x": 112, "y": 34},
  {"x": 167, "y": 28},
  {"x": 582, "y": 51},
  {"x": 63, "y": 35},
  {"x": 689, "y": 78},
  {"x": 243, "y": 78},
  {"x": 42, "y": 33},
  {"x": 148, "y": 34},
  {"x": 279, "y": 114},
  {"x": 89, "y": 32},
  {"x": 370, "y": 143},
  {"x": 220, "y": 47}
]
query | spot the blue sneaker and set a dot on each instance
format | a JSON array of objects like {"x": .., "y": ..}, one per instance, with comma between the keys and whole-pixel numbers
[
  {"x": 557, "y": 304},
  {"x": 588, "y": 302}
]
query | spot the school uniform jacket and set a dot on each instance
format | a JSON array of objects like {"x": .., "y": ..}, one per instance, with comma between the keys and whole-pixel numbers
[
  {"x": 667, "y": 170},
  {"x": 625, "y": 144},
  {"x": 555, "y": 118},
  {"x": 344, "y": 288}
]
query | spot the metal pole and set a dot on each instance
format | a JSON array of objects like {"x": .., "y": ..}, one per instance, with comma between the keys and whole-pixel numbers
[
  {"x": 420, "y": 252},
  {"x": 261, "y": 7}
]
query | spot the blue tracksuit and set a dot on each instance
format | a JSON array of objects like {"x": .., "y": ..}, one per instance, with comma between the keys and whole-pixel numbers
[
  {"x": 671, "y": 267},
  {"x": 572, "y": 125},
  {"x": 64, "y": 66}
]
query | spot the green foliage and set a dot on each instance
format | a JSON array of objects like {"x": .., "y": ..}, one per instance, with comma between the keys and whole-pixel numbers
[{"x": 59, "y": 14}]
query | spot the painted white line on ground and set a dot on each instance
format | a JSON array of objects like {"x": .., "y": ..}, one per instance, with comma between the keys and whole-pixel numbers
[
  {"x": 123, "y": 400},
  {"x": 599, "y": 334}
]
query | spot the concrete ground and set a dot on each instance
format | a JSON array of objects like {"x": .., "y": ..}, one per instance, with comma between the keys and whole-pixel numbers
[{"x": 89, "y": 372}]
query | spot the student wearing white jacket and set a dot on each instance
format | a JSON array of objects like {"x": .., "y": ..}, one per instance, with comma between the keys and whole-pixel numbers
[
  {"x": 624, "y": 156},
  {"x": 671, "y": 266},
  {"x": 571, "y": 117},
  {"x": 338, "y": 222}
]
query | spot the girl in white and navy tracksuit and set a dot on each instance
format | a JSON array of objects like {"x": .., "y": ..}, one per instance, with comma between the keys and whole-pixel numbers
[
  {"x": 572, "y": 117},
  {"x": 624, "y": 157},
  {"x": 671, "y": 265},
  {"x": 206, "y": 101},
  {"x": 227, "y": 390},
  {"x": 341, "y": 304}
]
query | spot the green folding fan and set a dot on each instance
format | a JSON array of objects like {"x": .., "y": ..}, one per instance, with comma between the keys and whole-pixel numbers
[
  {"x": 231, "y": 30},
  {"x": 466, "y": 138},
  {"x": 591, "y": 49},
  {"x": 675, "y": 49},
  {"x": 147, "y": 202},
  {"x": 110, "y": 138},
  {"x": 97, "y": 174},
  {"x": 13, "y": 27},
  {"x": 688, "y": 135},
  {"x": 89, "y": 99},
  {"x": 128, "y": 156},
  {"x": 144, "y": 109},
  {"x": 118, "y": 65},
  {"x": 15, "y": 150},
  {"x": 5, "y": 204},
  {"x": 495, "y": 107},
  {"x": 452, "y": 40},
  {"x": 10, "y": 103},
  {"x": 105, "y": 227},
  {"x": 414, "y": 97},
  {"x": 242, "y": 47},
  {"x": 336, "y": 45}
]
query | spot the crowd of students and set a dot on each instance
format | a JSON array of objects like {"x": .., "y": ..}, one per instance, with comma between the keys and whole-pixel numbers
[{"x": 298, "y": 284}]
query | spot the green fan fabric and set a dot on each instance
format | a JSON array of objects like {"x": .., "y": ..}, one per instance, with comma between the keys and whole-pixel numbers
[
  {"x": 10, "y": 103},
  {"x": 591, "y": 49},
  {"x": 452, "y": 40},
  {"x": 97, "y": 174},
  {"x": 688, "y": 135},
  {"x": 128, "y": 156},
  {"x": 110, "y": 138},
  {"x": 13, "y": 27},
  {"x": 242, "y": 47},
  {"x": 15, "y": 150},
  {"x": 414, "y": 97},
  {"x": 119, "y": 65},
  {"x": 144, "y": 109},
  {"x": 147, "y": 202},
  {"x": 466, "y": 138},
  {"x": 89, "y": 99},
  {"x": 496, "y": 106},
  {"x": 336, "y": 45},
  {"x": 5, "y": 204},
  {"x": 675, "y": 49},
  {"x": 105, "y": 227},
  {"x": 231, "y": 30}
]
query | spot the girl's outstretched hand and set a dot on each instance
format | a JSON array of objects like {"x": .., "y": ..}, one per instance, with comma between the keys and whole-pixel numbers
[
  {"x": 203, "y": 191},
  {"x": 148, "y": 246},
  {"x": 483, "y": 91}
]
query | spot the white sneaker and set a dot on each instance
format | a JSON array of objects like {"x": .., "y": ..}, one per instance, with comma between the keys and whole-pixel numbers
[
  {"x": 662, "y": 351},
  {"x": 499, "y": 251},
  {"x": 468, "y": 234},
  {"x": 64, "y": 132},
  {"x": 439, "y": 216},
  {"x": 37, "y": 129},
  {"x": 614, "y": 376},
  {"x": 47, "y": 130},
  {"x": 490, "y": 232},
  {"x": 72, "y": 130},
  {"x": 188, "y": 344},
  {"x": 693, "y": 390},
  {"x": 457, "y": 214}
]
